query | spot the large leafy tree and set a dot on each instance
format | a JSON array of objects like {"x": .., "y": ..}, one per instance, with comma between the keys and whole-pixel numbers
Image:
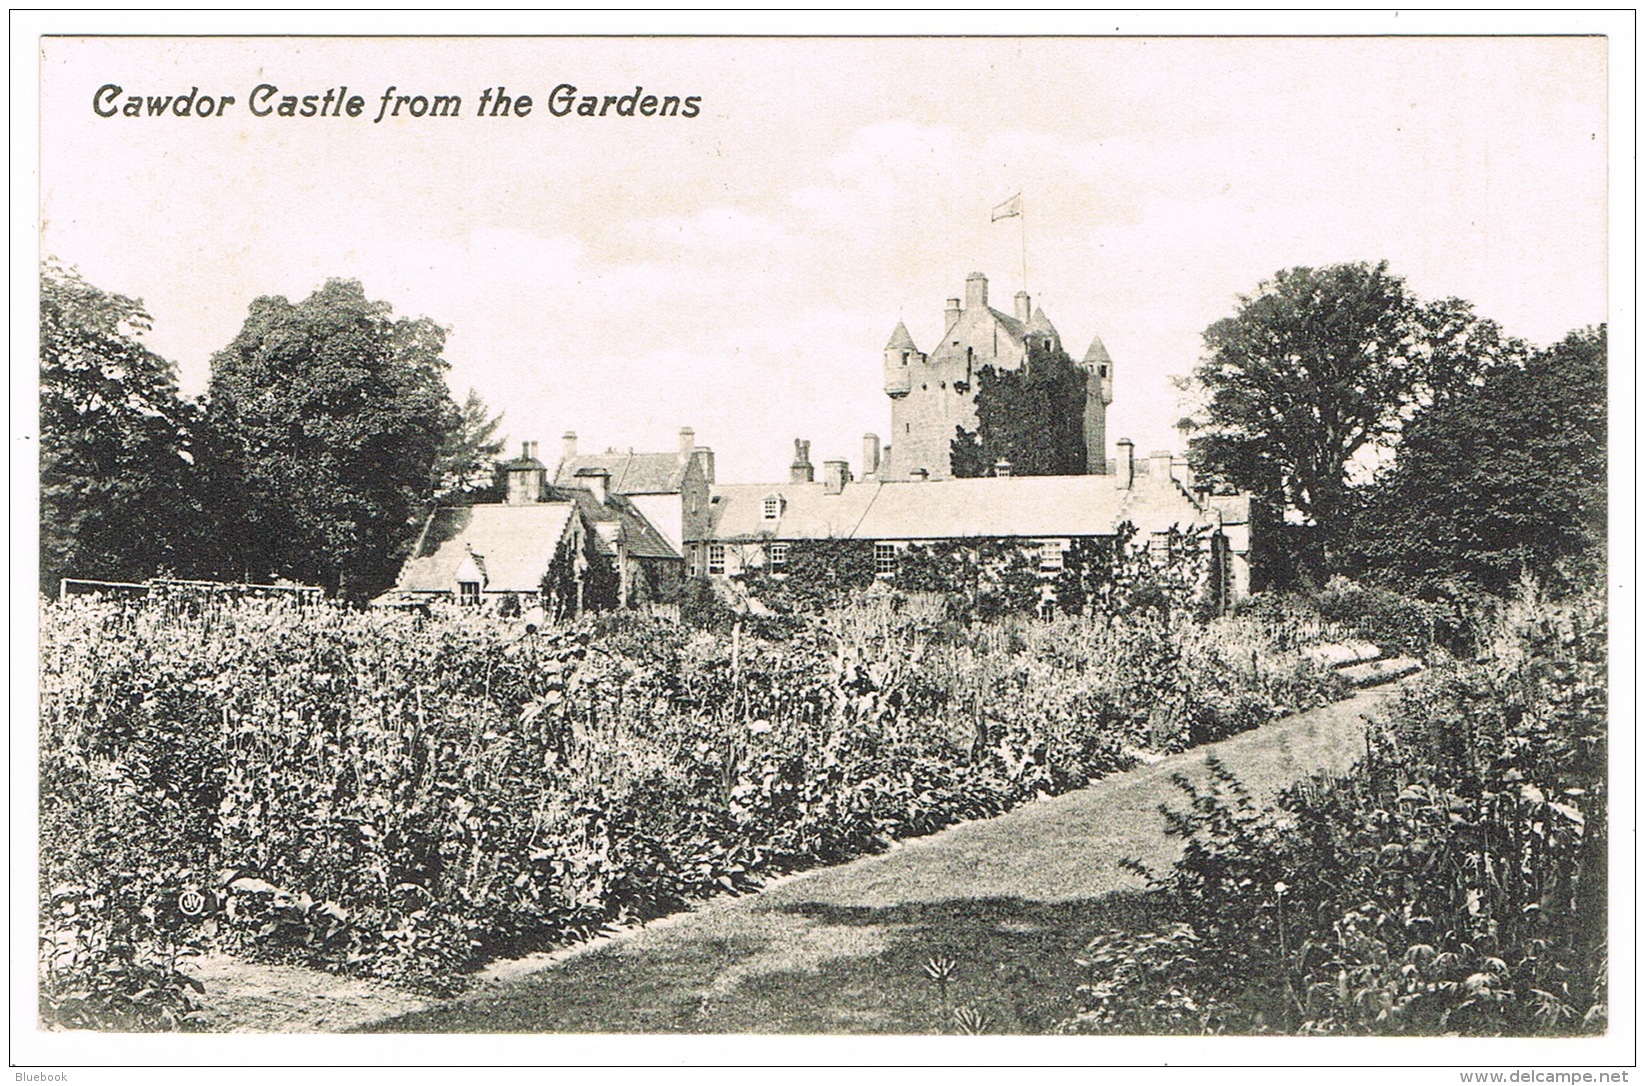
[
  {"x": 117, "y": 456},
  {"x": 1033, "y": 417},
  {"x": 327, "y": 417},
  {"x": 1505, "y": 477},
  {"x": 1318, "y": 367}
]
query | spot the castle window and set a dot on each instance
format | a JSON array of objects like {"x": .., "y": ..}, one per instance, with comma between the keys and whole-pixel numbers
[
  {"x": 942, "y": 384},
  {"x": 716, "y": 558},
  {"x": 777, "y": 558},
  {"x": 771, "y": 508},
  {"x": 468, "y": 592},
  {"x": 1102, "y": 371},
  {"x": 885, "y": 559}
]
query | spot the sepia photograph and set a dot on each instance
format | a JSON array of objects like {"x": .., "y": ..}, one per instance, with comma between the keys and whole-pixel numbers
[{"x": 1056, "y": 544}]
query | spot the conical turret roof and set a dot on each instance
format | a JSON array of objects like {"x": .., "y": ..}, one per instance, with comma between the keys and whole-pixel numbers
[
  {"x": 901, "y": 340},
  {"x": 1040, "y": 323},
  {"x": 1097, "y": 354}
]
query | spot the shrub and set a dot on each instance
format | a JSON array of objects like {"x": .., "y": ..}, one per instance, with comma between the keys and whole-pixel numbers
[{"x": 1454, "y": 881}]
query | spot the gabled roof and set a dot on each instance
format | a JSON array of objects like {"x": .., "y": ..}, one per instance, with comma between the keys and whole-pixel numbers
[
  {"x": 1027, "y": 506},
  {"x": 513, "y": 544},
  {"x": 808, "y": 511},
  {"x": 900, "y": 339},
  {"x": 631, "y": 472},
  {"x": 1013, "y": 327},
  {"x": 643, "y": 539}
]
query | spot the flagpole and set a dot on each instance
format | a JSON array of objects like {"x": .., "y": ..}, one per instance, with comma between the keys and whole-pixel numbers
[{"x": 1022, "y": 216}]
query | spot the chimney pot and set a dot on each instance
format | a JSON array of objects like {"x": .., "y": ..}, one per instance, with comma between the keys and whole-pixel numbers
[
  {"x": 568, "y": 445},
  {"x": 1022, "y": 308},
  {"x": 950, "y": 314},
  {"x": 688, "y": 439}
]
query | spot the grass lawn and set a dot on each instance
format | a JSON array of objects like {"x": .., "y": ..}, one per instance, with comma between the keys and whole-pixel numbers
[{"x": 1010, "y": 902}]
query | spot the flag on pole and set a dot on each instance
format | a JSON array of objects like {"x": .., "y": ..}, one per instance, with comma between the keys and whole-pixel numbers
[{"x": 1008, "y": 210}]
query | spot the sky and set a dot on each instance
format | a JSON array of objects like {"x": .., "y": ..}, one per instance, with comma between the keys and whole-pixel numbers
[{"x": 740, "y": 271}]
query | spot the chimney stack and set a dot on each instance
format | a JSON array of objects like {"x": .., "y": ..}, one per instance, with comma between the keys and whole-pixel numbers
[
  {"x": 1126, "y": 463},
  {"x": 1159, "y": 467},
  {"x": 800, "y": 471},
  {"x": 598, "y": 481},
  {"x": 568, "y": 445},
  {"x": 525, "y": 477},
  {"x": 836, "y": 473},
  {"x": 688, "y": 440},
  {"x": 950, "y": 314},
  {"x": 705, "y": 456},
  {"x": 1002, "y": 468},
  {"x": 976, "y": 291},
  {"x": 1022, "y": 308},
  {"x": 870, "y": 455}
]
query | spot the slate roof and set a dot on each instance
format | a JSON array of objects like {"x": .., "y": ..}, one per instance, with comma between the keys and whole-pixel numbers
[
  {"x": 807, "y": 512},
  {"x": 1015, "y": 328},
  {"x": 512, "y": 543},
  {"x": 900, "y": 339},
  {"x": 643, "y": 540},
  {"x": 631, "y": 472},
  {"x": 1096, "y": 354},
  {"x": 1031, "y": 506},
  {"x": 1039, "y": 322},
  {"x": 1044, "y": 506}
]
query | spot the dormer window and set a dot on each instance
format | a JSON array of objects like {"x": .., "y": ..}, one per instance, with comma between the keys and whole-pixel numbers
[
  {"x": 468, "y": 592},
  {"x": 771, "y": 508}
]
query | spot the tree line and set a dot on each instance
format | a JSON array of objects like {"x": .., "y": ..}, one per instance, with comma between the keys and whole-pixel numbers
[
  {"x": 326, "y": 429},
  {"x": 1389, "y": 438}
]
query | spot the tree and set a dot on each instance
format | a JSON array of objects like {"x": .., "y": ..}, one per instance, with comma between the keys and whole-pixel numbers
[
  {"x": 1033, "y": 417},
  {"x": 466, "y": 469},
  {"x": 118, "y": 499},
  {"x": 1505, "y": 477},
  {"x": 326, "y": 418},
  {"x": 1318, "y": 367}
]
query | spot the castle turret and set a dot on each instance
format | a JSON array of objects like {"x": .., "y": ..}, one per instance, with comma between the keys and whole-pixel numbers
[
  {"x": 1099, "y": 393},
  {"x": 1101, "y": 366},
  {"x": 900, "y": 356}
]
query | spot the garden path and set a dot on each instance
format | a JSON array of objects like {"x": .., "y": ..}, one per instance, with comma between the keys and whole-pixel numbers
[{"x": 1007, "y": 903}]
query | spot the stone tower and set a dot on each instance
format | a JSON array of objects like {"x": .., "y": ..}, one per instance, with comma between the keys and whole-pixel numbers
[{"x": 933, "y": 395}]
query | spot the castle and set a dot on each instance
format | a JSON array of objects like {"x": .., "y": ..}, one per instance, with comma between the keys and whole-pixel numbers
[
  {"x": 931, "y": 395},
  {"x": 654, "y": 518}
]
